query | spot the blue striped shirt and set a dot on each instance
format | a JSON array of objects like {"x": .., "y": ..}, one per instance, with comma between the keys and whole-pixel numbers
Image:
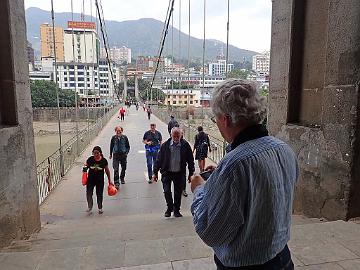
[{"x": 244, "y": 209}]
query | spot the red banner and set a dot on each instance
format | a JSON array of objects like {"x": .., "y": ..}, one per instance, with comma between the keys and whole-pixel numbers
[{"x": 81, "y": 25}]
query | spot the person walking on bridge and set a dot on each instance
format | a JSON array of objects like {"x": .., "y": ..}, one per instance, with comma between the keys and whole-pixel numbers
[
  {"x": 96, "y": 165},
  {"x": 174, "y": 155},
  {"x": 122, "y": 112},
  {"x": 172, "y": 123},
  {"x": 119, "y": 149},
  {"x": 149, "y": 112},
  {"x": 152, "y": 140}
]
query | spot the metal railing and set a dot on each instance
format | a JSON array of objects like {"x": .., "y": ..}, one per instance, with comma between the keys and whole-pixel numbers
[{"x": 49, "y": 171}]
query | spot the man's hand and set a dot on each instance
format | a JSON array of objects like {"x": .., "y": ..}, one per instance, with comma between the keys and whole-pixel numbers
[
  {"x": 196, "y": 181},
  {"x": 110, "y": 157},
  {"x": 154, "y": 178},
  {"x": 189, "y": 178},
  {"x": 210, "y": 168}
]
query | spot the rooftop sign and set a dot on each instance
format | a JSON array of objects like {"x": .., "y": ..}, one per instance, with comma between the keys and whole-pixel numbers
[{"x": 81, "y": 25}]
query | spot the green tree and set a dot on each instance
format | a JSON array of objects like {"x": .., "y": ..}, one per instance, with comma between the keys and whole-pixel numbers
[
  {"x": 43, "y": 94},
  {"x": 238, "y": 73},
  {"x": 153, "y": 94}
]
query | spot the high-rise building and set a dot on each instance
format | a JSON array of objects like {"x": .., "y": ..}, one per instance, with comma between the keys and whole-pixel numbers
[
  {"x": 118, "y": 55},
  {"x": 218, "y": 68},
  {"x": 261, "y": 62},
  {"x": 86, "y": 45},
  {"x": 47, "y": 42}
]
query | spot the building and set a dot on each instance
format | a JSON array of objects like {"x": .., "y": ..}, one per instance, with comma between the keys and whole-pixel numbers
[
  {"x": 47, "y": 42},
  {"x": 182, "y": 97},
  {"x": 148, "y": 64},
  {"x": 86, "y": 46},
  {"x": 41, "y": 76},
  {"x": 261, "y": 62},
  {"x": 194, "y": 79},
  {"x": 218, "y": 68},
  {"x": 118, "y": 55},
  {"x": 30, "y": 53}
]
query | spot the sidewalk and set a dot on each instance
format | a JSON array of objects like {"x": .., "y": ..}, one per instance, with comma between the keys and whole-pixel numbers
[{"x": 133, "y": 234}]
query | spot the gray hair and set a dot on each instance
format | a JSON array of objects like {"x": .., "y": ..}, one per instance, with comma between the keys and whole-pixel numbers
[
  {"x": 176, "y": 130},
  {"x": 240, "y": 100}
]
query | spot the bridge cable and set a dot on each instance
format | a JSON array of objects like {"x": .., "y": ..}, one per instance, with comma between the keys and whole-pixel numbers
[{"x": 165, "y": 31}]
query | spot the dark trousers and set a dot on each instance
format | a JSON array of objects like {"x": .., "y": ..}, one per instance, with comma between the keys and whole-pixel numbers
[
  {"x": 149, "y": 114},
  {"x": 178, "y": 179},
  {"x": 282, "y": 261},
  {"x": 99, "y": 184},
  {"x": 119, "y": 159},
  {"x": 150, "y": 162},
  {"x": 122, "y": 117}
]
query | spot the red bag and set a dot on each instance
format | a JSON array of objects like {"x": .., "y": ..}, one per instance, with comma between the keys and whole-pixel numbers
[
  {"x": 112, "y": 190},
  {"x": 84, "y": 178}
]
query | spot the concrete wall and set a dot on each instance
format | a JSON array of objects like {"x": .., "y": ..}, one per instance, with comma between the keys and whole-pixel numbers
[
  {"x": 67, "y": 114},
  {"x": 19, "y": 209},
  {"x": 314, "y": 100}
]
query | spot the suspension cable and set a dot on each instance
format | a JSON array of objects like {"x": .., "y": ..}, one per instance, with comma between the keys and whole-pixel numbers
[
  {"x": 57, "y": 90},
  {"x": 227, "y": 38},
  {"x": 101, "y": 21},
  {"x": 188, "y": 84},
  {"x": 203, "y": 69},
  {"x": 75, "y": 81},
  {"x": 166, "y": 27}
]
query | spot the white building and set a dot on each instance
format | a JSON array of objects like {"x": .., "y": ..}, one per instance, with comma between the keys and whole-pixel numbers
[
  {"x": 261, "y": 62},
  {"x": 118, "y": 55},
  {"x": 86, "y": 44},
  {"x": 218, "y": 68}
]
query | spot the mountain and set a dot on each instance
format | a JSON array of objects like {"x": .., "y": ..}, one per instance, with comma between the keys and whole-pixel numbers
[{"x": 142, "y": 36}]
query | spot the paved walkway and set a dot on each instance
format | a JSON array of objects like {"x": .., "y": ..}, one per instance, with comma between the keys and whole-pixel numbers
[{"x": 132, "y": 234}]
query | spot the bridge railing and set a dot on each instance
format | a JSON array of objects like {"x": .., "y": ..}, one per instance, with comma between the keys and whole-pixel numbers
[{"x": 51, "y": 170}]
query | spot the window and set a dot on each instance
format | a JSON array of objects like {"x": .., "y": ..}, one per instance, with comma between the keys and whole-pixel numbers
[
  {"x": 174, "y": 102},
  {"x": 191, "y": 102}
]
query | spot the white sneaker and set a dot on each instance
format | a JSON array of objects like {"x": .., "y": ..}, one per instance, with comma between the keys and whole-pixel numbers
[{"x": 101, "y": 211}]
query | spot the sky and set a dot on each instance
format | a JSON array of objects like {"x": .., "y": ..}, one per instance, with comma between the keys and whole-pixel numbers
[{"x": 250, "y": 20}]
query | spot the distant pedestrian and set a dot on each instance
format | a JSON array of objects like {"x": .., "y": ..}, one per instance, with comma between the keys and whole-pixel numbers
[
  {"x": 96, "y": 165},
  {"x": 149, "y": 112},
  {"x": 144, "y": 107},
  {"x": 152, "y": 140},
  {"x": 119, "y": 149},
  {"x": 201, "y": 146},
  {"x": 172, "y": 123},
  {"x": 122, "y": 112},
  {"x": 174, "y": 155}
]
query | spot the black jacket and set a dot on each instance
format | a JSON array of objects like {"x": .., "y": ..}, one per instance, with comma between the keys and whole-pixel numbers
[
  {"x": 123, "y": 141},
  {"x": 163, "y": 158}
]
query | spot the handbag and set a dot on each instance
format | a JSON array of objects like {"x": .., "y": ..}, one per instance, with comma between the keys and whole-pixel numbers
[
  {"x": 84, "y": 178},
  {"x": 112, "y": 190}
]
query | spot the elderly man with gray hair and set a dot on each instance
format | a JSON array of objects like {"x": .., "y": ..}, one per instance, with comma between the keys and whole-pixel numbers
[
  {"x": 243, "y": 211},
  {"x": 174, "y": 155}
]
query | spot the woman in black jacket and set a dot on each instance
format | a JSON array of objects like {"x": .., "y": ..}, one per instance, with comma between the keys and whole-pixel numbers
[{"x": 201, "y": 145}]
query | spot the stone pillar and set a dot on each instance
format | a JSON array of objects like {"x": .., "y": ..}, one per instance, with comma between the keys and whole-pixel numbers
[
  {"x": 136, "y": 88},
  {"x": 125, "y": 87},
  {"x": 19, "y": 204},
  {"x": 314, "y": 101}
]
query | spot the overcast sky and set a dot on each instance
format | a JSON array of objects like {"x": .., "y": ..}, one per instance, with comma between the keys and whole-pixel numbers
[{"x": 250, "y": 20}]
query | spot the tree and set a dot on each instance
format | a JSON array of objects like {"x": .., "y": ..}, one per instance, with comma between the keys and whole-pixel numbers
[
  {"x": 239, "y": 74},
  {"x": 43, "y": 94},
  {"x": 153, "y": 94}
]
